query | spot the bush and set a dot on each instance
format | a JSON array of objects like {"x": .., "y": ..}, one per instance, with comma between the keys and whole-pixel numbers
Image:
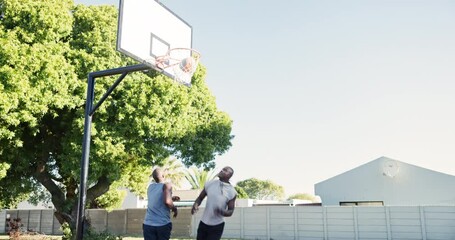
[
  {"x": 66, "y": 231},
  {"x": 16, "y": 232},
  {"x": 14, "y": 228}
]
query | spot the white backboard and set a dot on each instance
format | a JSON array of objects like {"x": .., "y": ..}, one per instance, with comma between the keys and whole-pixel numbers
[{"x": 147, "y": 29}]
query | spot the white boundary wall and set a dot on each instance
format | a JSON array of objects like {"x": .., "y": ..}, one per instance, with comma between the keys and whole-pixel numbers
[
  {"x": 341, "y": 223},
  {"x": 278, "y": 222}
]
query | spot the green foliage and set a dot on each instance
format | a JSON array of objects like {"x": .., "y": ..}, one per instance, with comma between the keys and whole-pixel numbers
[
  {"x": 37, "y": 82},
  {"x": 303, "y": 196},
  {"x": 40, "y": 195},
  {"x": 262, "y": 189},
  {"x": 111, "y": 200},
  {"x": 66, "y": 231},
  {"x": 90, "y": 234},
  {"x": 198, "y": 177},
  {"x": 47, "y": 48},
  {"x": 37, "y": 21},
  {"x": 3, "y": 168},
  {"x": 241, "y": 194},
  {"x": 101, "y": 236},
  {"x": 174, "y": 171},
  {"x": 11, "y": 191}
]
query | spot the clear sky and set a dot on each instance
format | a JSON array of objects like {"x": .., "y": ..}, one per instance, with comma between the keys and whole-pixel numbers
[{"x": 316, "y": 88}]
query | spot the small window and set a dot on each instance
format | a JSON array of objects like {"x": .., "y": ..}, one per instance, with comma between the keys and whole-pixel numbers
[{"x": 363, "y": 203}]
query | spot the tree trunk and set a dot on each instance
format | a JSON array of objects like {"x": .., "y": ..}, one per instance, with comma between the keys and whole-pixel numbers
[{"x": 64, "y": 213}]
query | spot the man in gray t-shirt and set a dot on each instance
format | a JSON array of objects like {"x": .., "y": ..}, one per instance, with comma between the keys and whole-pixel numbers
[{"x": 221, "y": 197}]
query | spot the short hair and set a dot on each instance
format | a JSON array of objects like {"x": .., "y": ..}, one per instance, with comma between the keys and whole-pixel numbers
[
  {"x": 156, "y": 174},
  {"x": 232, "y": 170}
]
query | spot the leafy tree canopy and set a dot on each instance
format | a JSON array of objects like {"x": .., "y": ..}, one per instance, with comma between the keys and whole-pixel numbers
[
  {"x": 174, "y": 171},
  {"x": 241, "y": 194},
  {"x": 47, "y": 48},
  {"x": 3, "y": 168},
  {"x": 262, "y": 189},
  {"x": 303, "y": 196},
  {"x": 198, "y": 177}
]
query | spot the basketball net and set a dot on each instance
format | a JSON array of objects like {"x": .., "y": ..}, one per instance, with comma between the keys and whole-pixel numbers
[{"x": 182, "y": 62}]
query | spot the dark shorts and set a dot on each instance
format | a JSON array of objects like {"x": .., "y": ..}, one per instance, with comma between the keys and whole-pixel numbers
[
  {"x": 207, "y": 232},
  {"x": 157, "y": 233}
]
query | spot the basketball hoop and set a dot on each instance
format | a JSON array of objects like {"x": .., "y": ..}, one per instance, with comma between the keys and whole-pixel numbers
[{"x": 182, "y": 62}]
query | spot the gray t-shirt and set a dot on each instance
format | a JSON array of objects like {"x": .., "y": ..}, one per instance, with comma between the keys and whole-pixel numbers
[{"x": 218, "y": 195}]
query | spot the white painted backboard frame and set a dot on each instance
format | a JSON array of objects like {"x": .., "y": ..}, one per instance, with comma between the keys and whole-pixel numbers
[{"x": 147, "y": 29}]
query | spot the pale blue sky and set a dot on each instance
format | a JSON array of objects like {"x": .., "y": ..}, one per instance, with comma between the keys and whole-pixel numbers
[{"x": 316, "y": 88}]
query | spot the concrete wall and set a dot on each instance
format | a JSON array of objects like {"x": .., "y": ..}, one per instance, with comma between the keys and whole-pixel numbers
[
  {"x": 34, "y": 220},
  {"x": 341, "y": 223},
  {"x": 129, "y": 221},
  {"x": 276, "y": 222},
  {"x": 2, "y": 221}
]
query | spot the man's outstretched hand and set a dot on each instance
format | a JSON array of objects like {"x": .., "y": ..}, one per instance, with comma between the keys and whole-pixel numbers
[
  {"x": 194, "y": 209},
  {"x": 174, "y": 210}
]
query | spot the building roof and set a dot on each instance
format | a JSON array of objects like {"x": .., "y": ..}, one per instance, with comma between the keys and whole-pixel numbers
[
  {"x": 389, "y": 181},
  {"x": 387, "y": 167}
]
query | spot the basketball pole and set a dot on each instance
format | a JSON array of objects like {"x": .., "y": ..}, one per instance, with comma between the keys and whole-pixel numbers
[{"x": 89, "y": 111}]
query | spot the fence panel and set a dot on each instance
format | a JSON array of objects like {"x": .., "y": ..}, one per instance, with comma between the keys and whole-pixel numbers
[
  {"x": 371, "y": 223},
  {"x": 3, "y": 222},
  {"x": 310, "y": 222},
  {"x": 340, "y": 223},
  {"x": 134, "y": 220},
  {"x": 282, "y": 223},
  {"x": 405, "y": 223},
  {"x": 181, "y": 225},
  {"x": 116, "y": 222},
  {"x": 233, "y": 226},
  {"x": 34, "y": 220},
  {"x": 275, "y": 222},
  {"x": 56, "y": 226},
  {"x": 12, "y": 214},
  {"x": 47, "y": 223},
  {"x": 440, "y": 222},
  {"x": 98, "y": 219},
  {"x": 255, "y": 223}
]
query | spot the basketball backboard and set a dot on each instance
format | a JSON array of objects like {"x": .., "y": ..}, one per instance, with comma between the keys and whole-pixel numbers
[{"x": 147, "y": 29}]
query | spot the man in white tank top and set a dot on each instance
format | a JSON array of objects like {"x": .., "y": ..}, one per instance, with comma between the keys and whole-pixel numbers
[{"x": 221, "y": 197}]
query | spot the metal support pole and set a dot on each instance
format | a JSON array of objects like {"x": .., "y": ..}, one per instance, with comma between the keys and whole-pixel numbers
[
  {"x": 85, "y": 160},
  {"x": 89, "y": 111}
]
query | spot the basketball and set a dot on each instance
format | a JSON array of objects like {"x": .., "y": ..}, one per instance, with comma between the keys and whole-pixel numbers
[{"x": 187, "y": 64}]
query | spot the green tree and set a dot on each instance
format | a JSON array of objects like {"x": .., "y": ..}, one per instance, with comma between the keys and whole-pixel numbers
[
  {"x": 262, "y": 189},
  {"x": 303, "y": 196},
  {"x": 112, "y": 199},
  {"x": 47, "y": 48},
  {"x": 3, "y": 168},
  {"x": 174, "y": 170},
  {"x": 241, "y": 194},
  {"x": 198, "y": 177}
]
